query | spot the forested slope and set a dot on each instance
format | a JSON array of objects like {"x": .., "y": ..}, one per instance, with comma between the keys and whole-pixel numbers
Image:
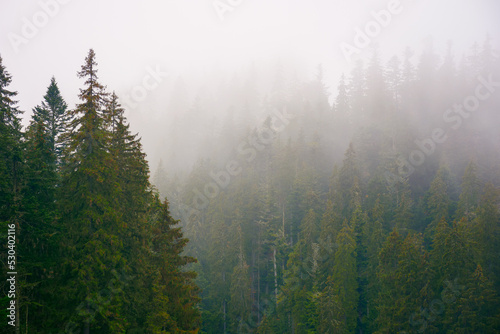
[{"x": 377, "y": 212}]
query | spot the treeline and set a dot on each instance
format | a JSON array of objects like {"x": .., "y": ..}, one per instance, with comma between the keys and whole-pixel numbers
[
  {"x": 96, "y": 249},
  {"x": 328, "y": 221}
]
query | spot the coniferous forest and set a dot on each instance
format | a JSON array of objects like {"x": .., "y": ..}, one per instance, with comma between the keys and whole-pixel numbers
[
  {"x": 271, "y": 194},
  {"x": 376, "y": 213},
  {"x": 97, "y": 249}
]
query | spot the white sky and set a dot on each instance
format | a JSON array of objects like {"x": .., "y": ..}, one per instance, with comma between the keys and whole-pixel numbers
[{"x": 188, "y": 36}]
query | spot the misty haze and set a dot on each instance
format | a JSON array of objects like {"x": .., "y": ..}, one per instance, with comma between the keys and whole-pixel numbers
[{"x": 267, "y": 167}]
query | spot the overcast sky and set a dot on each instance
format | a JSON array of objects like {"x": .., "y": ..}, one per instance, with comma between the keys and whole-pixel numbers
[{"x": 191, "y": 36}]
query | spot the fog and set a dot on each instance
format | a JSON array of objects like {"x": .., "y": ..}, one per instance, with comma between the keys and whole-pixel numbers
[
  {"x": 206, "y": 48},
  {"x": 318, "y": 166}
]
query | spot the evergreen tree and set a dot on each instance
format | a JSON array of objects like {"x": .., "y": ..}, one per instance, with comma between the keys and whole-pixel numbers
[
  {"x": 90, "y": 195},
  {"x": 486, "y": 231},
  {"x": 174, "y": 297},
  {"x": 344, "y": 278},
  {"x": 403, "y": 214},
  {"x": 240, "y": 303},
  {"x": 10, "y": 148},
  {"x": 11, "y": 158},
  {"x": 349, "y": 178},
  {"x": 404, "y": 278},
  {"x": 438, "y": 202},
  {"x": 53, "y": 113},
  {"x": 476, "y": 310},
  {"x": 331, "y": 312},
  {"x": 38, "y": 247},
  {"x": 394, "y": 81},
  {"x": 133, "y": 170},
  {"x": 469, "y": 197}
]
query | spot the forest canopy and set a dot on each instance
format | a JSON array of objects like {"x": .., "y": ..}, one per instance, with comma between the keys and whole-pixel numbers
[{"x": 277, "y": 204}]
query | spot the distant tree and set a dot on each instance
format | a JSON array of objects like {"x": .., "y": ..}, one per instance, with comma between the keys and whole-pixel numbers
[
  {"x": 476, "y": 308},
  {"x": 438, "y": 203},
  {"x": 486, "y": 231},
  {"x": 394, "y": 81},
  {"x": 404, "y": 278},
  {"x": 470, "y": 195},
  {"x": 344, "y": 278}
]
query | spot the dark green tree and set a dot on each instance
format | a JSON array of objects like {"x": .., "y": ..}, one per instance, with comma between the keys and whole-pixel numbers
[
  {"x": 174, "y": 299},
  {"x": 90, "y": 204},
  {"x": 53, "y": 113},
  {"x": 471, "y": 192},
  {"x": 11, "y": 158}
]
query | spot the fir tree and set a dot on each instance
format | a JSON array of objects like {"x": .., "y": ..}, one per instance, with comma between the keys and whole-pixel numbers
[
  {"x": 469, "y": 197},
  {"x": 344, "y": 277},
  {"x": 90, "y": 204},
  {"x": 53, "y": 113},
  {"x": 175, "y": 296}
]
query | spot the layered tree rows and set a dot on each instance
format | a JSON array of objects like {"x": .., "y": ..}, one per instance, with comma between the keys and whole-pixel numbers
[
  {"x": 97, "y": 250},
  {"x": 354, "y": 216}
]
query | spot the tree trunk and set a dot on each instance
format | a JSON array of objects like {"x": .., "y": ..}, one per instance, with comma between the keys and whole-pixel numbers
[
  {"x": 275, "y": 277},
  {"x": 224, "y": 308}
]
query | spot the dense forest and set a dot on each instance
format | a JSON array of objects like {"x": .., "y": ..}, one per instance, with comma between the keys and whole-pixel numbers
[
  {"x": 96, "y": 249},
  {"x": 375, "y": 211}
]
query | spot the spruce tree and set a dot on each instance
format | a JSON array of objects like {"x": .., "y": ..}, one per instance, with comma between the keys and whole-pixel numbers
[
  {"x": 438, "y": 203},
  {"x": 486, "y": 231},
  {"x": 10, "y": 148},
  {"x": 90, "y": 195},
  {"x": 11, "y": 158},
  {"x": 476, "y": 308},
  {"x": 53, "y": 113},
  {"x": 344, "y": 277},
  {"x": 174, "y": 299},
  {"x": 38, "y": 247},
  {"x": 470, "y": 195}
]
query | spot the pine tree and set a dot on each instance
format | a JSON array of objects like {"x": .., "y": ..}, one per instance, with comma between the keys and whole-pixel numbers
[
  {"x": 331, "y": 312},
  {"x": 470, "y": 195},
  {"x": 374, "y": 237},
  {"x": 160, "y": 179},
  {"x": 357, "y": 92},
  {"x": 309, "y": 230},
  {"x": 476, "y": 310},
  {"x": 90, "y": 195},
  {"x": 486, "y": 231},
  {"x": 330, "y": 226},
  {"x": 438, "y": 202},
  {"x": 240, "y": 303},
  {"x": 403, "y": 214},
  {"x": 376, "y": 99},
  {"x": 349, "y": 187},
  {"x": 344, "y": 277},
  {"x": 451, "y": 256},
  {"x": 133, "y": 170},
  {"x": 38, "y": 247},
  {"x": 404, "y": 279},
  {"x": 394, "y": 81},
  {"x": 10, "y": 148},
  {"x": 342, "y": 107},
  {"x": 175, "y": 296},
  {"x": 53, "y": 113},
  {"x": 11, "y": 158}
]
